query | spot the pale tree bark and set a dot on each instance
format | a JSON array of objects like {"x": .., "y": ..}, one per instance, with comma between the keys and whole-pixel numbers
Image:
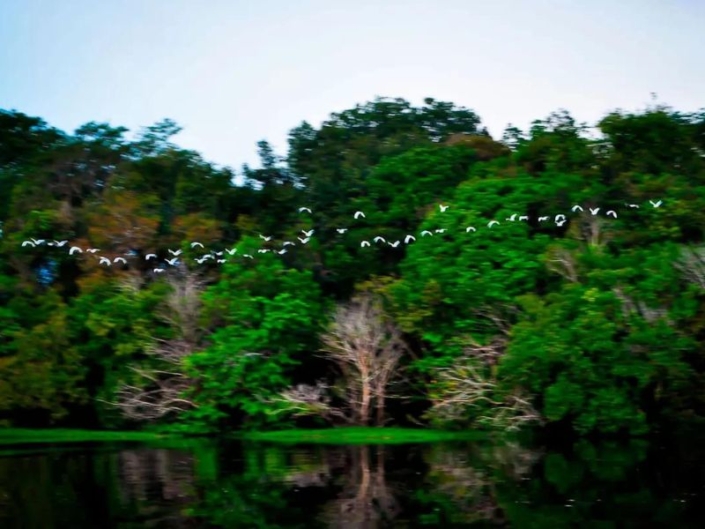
[
  {"x": 469, "y": 385},
  {"x": 159, "y": 388},
  {"x": 367, "y": 348},
  {"x": 691, "y": 264}
]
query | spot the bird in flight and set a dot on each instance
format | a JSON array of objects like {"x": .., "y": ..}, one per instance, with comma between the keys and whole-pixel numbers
[
  {"x": 492, "y": 223},
  {"x": 442, "y": 207},
  {"x": 359, "y": 214},
  {"x": 301, "y": 210},
  {"x": 656, "y": 204}
]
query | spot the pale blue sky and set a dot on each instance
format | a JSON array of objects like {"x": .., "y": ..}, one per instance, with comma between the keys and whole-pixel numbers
[{"x": 232, "y": 72}]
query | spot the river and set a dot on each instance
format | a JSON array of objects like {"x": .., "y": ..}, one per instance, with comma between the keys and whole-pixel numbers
[{"x": 231, "y": 484}]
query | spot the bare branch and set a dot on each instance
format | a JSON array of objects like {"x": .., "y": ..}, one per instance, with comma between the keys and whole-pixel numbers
[{"x": 691, "y": 264}]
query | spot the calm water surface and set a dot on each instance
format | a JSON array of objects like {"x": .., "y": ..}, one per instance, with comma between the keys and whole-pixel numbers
[{"x": 439, "y": 485}]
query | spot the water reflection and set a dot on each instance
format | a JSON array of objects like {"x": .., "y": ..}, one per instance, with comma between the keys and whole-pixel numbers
[{"x": 444, "y": 485}]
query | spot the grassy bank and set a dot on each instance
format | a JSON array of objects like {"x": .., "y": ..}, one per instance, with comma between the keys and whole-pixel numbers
[
  {"x": 359, "y": 435},
  {"x": 17, "y": 436}
]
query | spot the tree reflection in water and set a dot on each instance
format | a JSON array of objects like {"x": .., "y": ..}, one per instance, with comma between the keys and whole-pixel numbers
[{"x": 228, "y": 485}]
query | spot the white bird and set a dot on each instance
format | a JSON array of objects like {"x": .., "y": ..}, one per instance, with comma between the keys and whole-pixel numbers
[
  {"x": 201, "y": 260},
  {"x": 492, "y": 223},
  {"x": 105, "y": 261},
  {"x": 28, "y": 243},
  {"x": 512, "y": 218},
  {"x": 341, "y": 230},
  {"x": 282, "y": 252},
  {"x": 175, "y": 253},
  {"x": 208, "y": 256},
  {"x": 158, "y": 270},
  {"x": 656, "y": 204},
  {"x": 150, "y": 256},
  {"x": 542, "y": 219},
  {"x": 288, "y": 243},
  {"x": 307, "y": 233},
  {"x": 173, "y": 261},
  {"x": 194, "y": 244},
  {"x": 559, "y": 217},
  {"x": 301, "y": 210},
  {"x": 231, "y": 252},
  {"x": 393, "y": 244},
  {"x": 304, "y": 240},
  {"x": 633, "y": 205},
  {"x": 120, "y": 259},
  {"x": 577, "y": 208},
  {"x": 359, "y": 214},
  {"x": 612, "y": 213},
  {"x": 220, "y": 261},
  {"x": 560, "y": 222},
  {"x": 364, "y": 243},
  {"x": 469, "y": 229},
  {"x": 378, "y": 239},
  {"x": 92, "y": 250},
  {"x": 248, "y": 256},
  {"x": 440, "y": 230},
  {"x": 266, "y": 239},
  {"x": 524, "y": 217},
  {"x": 60, "y": 243},
  {"x": 75, "y": 249},
  {"x": 443, "y": 208},
  {"x": 409, "y": 238},
  {"x": 38, "y": 241},
  {"x": 426, "y": 232},
  {"x": 262, "y": 250},
  {"x": 219, "y": 254},
  {"x": 594, "y": 211}
]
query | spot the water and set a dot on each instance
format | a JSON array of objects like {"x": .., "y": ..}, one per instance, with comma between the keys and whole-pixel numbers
[{"x": 209, "y": 484}]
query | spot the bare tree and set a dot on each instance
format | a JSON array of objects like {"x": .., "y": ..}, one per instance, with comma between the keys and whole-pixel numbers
[
  {"x": 159, "y": 388},
  {"x": 367, "y": 348},
  {"x": 563, "y": 262},
  {"x": 464, "y": 387},
  {"x": 468, "y": 388},
  {"x": 692, "y": 265}
]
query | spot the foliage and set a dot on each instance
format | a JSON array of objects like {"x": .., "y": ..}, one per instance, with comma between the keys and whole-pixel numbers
[{"x": 594, "y": 325}]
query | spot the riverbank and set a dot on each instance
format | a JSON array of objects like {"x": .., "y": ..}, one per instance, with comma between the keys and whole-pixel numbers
[
  {"x": 15, "y": 436},
  {"x": 343, "y": 435},
  {"x": 359, "y": 435}
]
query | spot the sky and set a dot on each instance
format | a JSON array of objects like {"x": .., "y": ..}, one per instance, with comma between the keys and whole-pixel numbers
[{"x": 233, "y": 72}]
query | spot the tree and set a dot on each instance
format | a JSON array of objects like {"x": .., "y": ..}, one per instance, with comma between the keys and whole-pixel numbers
[
  {"x": 367, "y": 348},
  {"x": 159, "y": 386}
]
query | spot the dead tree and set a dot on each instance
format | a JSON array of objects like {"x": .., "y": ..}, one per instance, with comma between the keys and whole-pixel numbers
[
  {"x": 159, "y": 387},
  {"x": 469, "y": 385},
  {"x": 367, "y": 348},
  {"x": 691, "y": 264}
]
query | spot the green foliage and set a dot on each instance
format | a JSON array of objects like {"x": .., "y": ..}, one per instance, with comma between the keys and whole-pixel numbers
[
  {"x": 265, "y": 319},
  {"x": 598, "y": 324}
]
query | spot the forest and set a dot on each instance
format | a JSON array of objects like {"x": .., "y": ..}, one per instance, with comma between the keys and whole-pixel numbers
[{"x": 358, "y": 279}]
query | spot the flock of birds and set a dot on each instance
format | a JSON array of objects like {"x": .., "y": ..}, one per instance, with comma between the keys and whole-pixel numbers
[{"x": 221, "y": 257}]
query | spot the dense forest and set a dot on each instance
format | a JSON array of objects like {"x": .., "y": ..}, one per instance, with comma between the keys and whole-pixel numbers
[{"x": 581, "y": 309}]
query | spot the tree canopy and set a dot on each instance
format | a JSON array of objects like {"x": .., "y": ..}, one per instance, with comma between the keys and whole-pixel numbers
[{"x": 592, "y": 324}]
